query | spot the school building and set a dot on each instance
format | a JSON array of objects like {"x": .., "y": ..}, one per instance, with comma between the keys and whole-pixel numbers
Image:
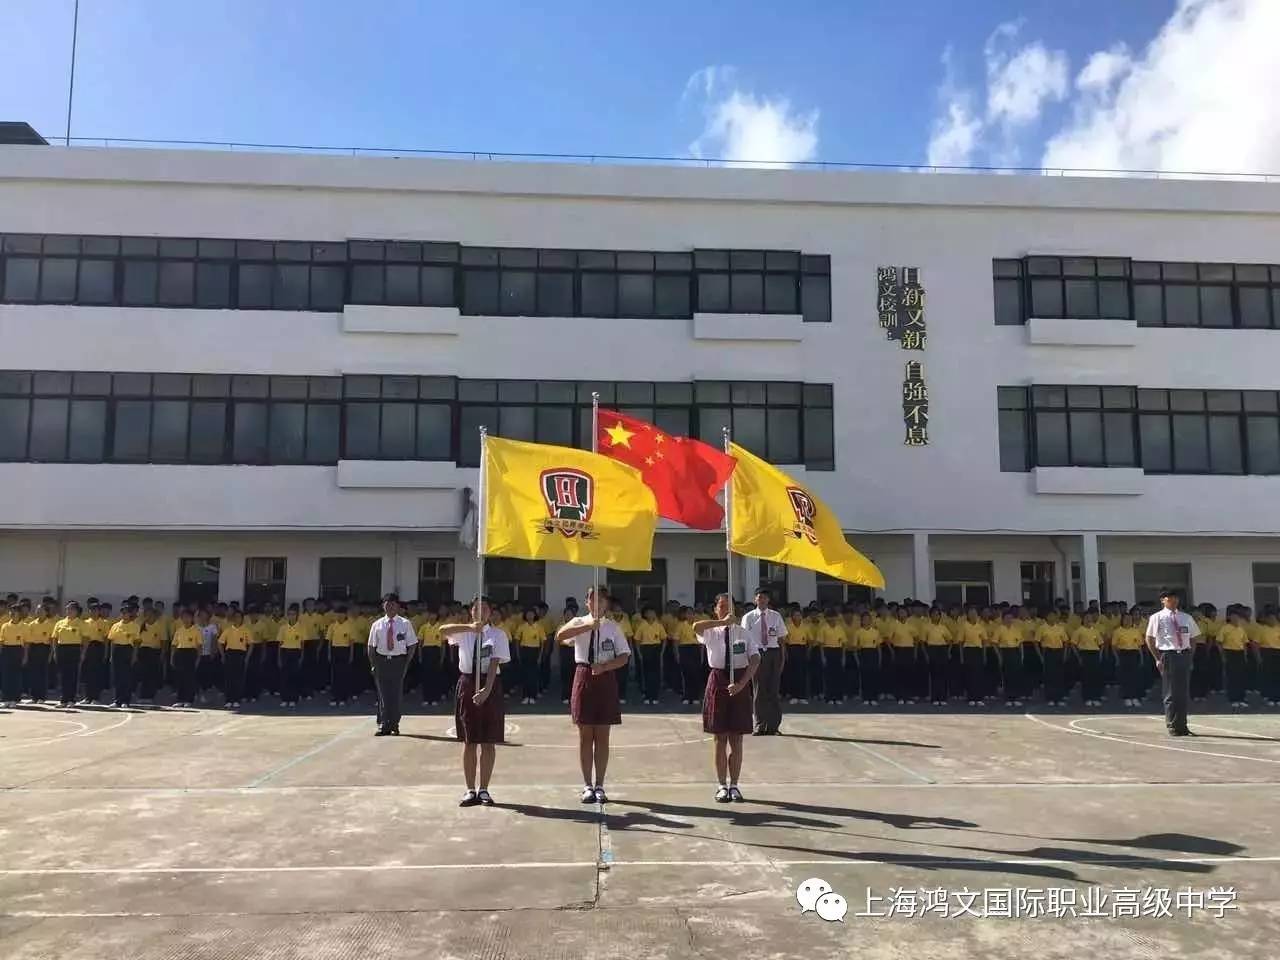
[{"x": 260, "y": 375}]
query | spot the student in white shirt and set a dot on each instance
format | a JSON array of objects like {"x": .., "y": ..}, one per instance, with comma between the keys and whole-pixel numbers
[
  {"x": 1170, "y": 633},
  {"x": 391, "y": 640},
  {"x": 599, "y": 648},
  {"x": 479, "y": 714},
  {"x": 726, "y": 707},
  {"x": 768, "y": 628}
]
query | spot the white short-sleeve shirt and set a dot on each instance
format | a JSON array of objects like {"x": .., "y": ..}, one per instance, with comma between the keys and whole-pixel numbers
[
  {"x": 1172, "y": 629},
  {"x": 494, "y": 643},
  {"x": 773, "y": 630},
  {"x": 391, "y": 637},
  {"x": 745, "y": 646},
  {"x": 610, "y": 641}
]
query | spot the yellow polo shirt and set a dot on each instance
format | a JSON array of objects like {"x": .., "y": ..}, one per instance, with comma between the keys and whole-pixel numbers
[
  {"x": 1087, "y": 638},
  {"x": 13, "y": 633},
  {"x": 866, "y": 638},
  {"x": 187, "y": 638},
  {"x": 1008, "y": 636},
  {"x": 151, "y": 635},
  {"x": 40, "y": 632},
  {"x": 1231, "y": 637},
  {"x": 69, "y": 632},
  {"x": 236, "y": 638},
  {"x": 684, "y": 633},
  {"x": 899, "y": 633},
  {"x": 936, "y": 634},
  {"x": 125, "y": 634},
  {"x": 973, "y": 634},
  {"x": 1126, "y": 638},
  {"x": 292, "y": 636},
  {"x": 797, "y": 634},
  {"x": 649, "y": 634},
  {"x": 529, "y": 636},
  {"x": 1268, "y": 636},
  {"x": 346, "y": 633},
  {"x": 1051, "y": 636},
  {"x": 832, "y": 636}
]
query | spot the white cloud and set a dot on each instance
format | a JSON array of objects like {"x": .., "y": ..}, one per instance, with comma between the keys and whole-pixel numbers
[
  {"x": 1019, "y": 84},
  {"x": 1201, "y": 97},
  {"x": 747, "y": 129},
  {"x": 956, "y": 130}
]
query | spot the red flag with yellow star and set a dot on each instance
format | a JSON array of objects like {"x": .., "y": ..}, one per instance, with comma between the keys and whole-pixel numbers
[{"x": 684, "y": 474}]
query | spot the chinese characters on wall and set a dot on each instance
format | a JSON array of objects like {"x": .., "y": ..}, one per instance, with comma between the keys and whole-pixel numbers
[{"x": 900, "y": 305}]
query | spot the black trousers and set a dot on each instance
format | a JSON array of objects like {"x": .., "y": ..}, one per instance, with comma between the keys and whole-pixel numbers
[
  {"x": 544, "y": 671},
  {"x": 1129, "y": 666},
  {"x": 11, "y": 673},
  {"x": 852, "y": 675},
  {"x": 184, "y": 675},
  {"x": 253, "y": 672},
  {"x": 974, "y": 672},
  {"x": 148, "y": 670},
  {"x": 339, "y": 674},
  {"x": 1270, "y": 669},
  {"x": 1214, "y": 672},
  {"x": 815, "y": 672},
  {"x": 1032, "y": 667},
  {"x": 622, "y": 675},
  {"x": 939, "y": 657},
  {"x": 1054, "y": 681},
  {"x": 1175, "y": 682},
  {"x": 37, "y": 672},
  {"x": 1235, "y": 663},
  {"x": 271, "y": 666},
  {"x": 794, "y": 673},
  {"x": 1090, "y": 674},
  {"x": 93, "y": 669},
  {"x": 233, "y": 675},
  {"x": 209, "y": 672},
  {"x": 651, "y": 670},
  {"x": 566, "y": 672},
  {"x": 690, "y": 657},
  {"x": 122, "y": 673},
  {"x": 68, "y": 657},
  {"x": 1200, "y": 671},
  {"x": 528, "y": 670},
  {"x": 309, "y": 669},
  {"x": 388, "y": 676},
  {"x": 290, "y": 674},
  {"x": 1011, "y": 672},
  {"x": 869, "y": 673},
  {"x": 833, "y": 673},
  {"x": 432, "y": 672},
  {"x": 904, "y": 668}
]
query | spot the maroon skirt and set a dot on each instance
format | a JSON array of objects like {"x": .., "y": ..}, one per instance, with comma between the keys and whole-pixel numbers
[
  {"x": 485, "y": 723},
  {"x": 722, "y": 713},
  {"x": 594, "y": 701}
]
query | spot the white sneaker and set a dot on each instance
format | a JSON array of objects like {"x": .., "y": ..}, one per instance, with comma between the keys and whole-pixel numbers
[{"x": 722, "y": 795}]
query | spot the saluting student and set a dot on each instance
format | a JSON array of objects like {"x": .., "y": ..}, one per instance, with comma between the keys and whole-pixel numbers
[
  {"x": 235, "y": 642},
  {"x": 69, "y": 638},
  {"x": 599, "y": 649},
  {"x": 651, "y": 637},
  {"x": 13, "y": 635},
  {"x": 479, "y": 715},
  {"x": 184, "y": 650},
  {"x": 124, "y": 637},
  {"x": 291, "y": 640},
  {"x": 726, "y": 706}
]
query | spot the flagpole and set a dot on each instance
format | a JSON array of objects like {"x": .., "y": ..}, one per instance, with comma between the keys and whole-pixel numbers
[
  {"x": 481, "y": 492},
  {"x": 728, "y": 552},
  {"x": 595, "y": 448}
]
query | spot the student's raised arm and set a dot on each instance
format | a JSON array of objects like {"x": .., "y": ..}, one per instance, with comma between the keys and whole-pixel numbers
[
  {"x": 576, "y": 628},
  {"x": 700, "y": 625}
]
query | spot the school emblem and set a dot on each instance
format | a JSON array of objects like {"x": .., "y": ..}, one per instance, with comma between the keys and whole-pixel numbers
[
  {"x": 805, "y": 510},
  {"x": 570, "y": 498}
]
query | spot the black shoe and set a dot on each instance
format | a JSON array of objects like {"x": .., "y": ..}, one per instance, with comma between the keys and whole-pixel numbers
[
  {"x": 381, "y": 732},
  {"x": 469, "y": 799},
  {"x": 484, "y": 798},
  {"x": 395, "y": 731}
]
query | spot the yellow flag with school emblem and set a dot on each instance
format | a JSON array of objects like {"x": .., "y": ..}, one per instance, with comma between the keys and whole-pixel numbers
[
  {"x": 775, "y": 518},
  {"x": 542, "y": 502}
]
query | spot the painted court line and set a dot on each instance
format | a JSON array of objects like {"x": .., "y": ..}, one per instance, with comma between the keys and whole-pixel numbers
[
  {"x": 1142, "y": 744},
  {"x": 307, "y": 755},
  {"x": 1078, "y": 724},
  {"x": 893, "y": 763}
]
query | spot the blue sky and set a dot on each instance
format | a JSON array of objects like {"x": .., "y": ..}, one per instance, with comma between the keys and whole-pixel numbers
[{"x": 835, "y": 80}]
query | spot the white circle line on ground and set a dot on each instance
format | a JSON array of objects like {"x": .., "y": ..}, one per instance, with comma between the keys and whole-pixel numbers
[
  {"x": 1199, "y": 725},
  {"x": 1078, "y": 725},
  {"x": 43, "y": 740},
  {"x": 1142, "y": 744}
]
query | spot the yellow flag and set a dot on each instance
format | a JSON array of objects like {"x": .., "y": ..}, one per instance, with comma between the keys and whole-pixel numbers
[
  {"x": 557, "y": 503},
  {"x": 777, "y": 519}
]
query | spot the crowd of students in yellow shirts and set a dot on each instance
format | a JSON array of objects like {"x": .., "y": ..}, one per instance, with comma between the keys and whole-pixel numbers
[{"x": 889, "y": 652}]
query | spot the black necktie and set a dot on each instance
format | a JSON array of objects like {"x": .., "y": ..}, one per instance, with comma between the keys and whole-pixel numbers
[
  {"x": 727, "y": 652},
  {"x": 591, "y": 653}
]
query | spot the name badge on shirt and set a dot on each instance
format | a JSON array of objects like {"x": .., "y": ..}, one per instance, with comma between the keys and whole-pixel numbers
[
  {"x": 400, "y": 637},
  {"x": 739, "y": 647},
  {"x": 606, "y": 651}
]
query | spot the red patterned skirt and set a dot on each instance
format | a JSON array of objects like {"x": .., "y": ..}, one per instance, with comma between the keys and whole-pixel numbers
[
  {"x": 722, "y": 713},
  {"x": 594, "y": 701},
  {"x": 485, "y": 723}
]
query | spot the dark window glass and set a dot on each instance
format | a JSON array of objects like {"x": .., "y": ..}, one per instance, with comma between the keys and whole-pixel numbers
[
  {"x": 131, "y": 384},
  {"x": 177, "y": 247},
  {"x": 131, "y": 436},
  {"x": 1224, "y": 401},
  {"x": 783, "y": 393},
  {"x": 362, "y": 387},
  {"x": 1215, "y": 306},
  {"x": 519, "y": 293},
  {"x": 97, "y": 282},
  {"x": 1180, "y": 271},
  {"x": 1251, "y": 273},
  {"x": 554, "y": 425},
  {"x": 366, "y": 283},
  {"x": 746, "y": 259},
  {"x": 177, "y": 283},
  {"x": 435, "y": 388},
  {"x": 1263, "y": 433},
  {"x": 1084, "y": 396},
  {"x": 1255, "y": 307},
  {"x": 1013, "y": 441},
  {"x": 169, "y": 431},
  {"x": 1008, "y": 299},
  {"x": 680, "y": 262},
  {"x": 208, "y": 431},
  {"x": 249, "y": 433},
  {"x": 470, "y": 420},
  {"x": 819, "y": 440},
  {"x": 57, "y": 281},
  {"x": 1046, "y": 298},
  {"x": 1051, "y": 440},
  {"x": 555, "y": 294},
  {"x": 749, "y": 429},
  {"x": 255, "y": 286},
  {"x": 21, "y": 279},
  {"x": 290, "y": 288},
  {"x": 402, "y": 251},
  {"x": 518, "y": 257},
  {"x": 327, "y": 288},
  {"x": 744, "y": 393},
  {"x": 1157, "y": 451},
  {"x": 139, "y": 283},
  {"x": 816, "y": 298},
  {"x": 478, "y": 390},
  {"x": 399, "y": 388},
  {"x": 711, "y": 259},
  {"x": 361, "y": 436},
  {"x": 288, "y": 432},
  {"x": 49, "y": 430},
  {"x": 711, "y": 424},
  {"x": 1217, "y": 272},
  {"x": 817, "y": 394},
  {"x": 1153, "y": 399},
  {"x": 672, "y": 420},
  {"x": 1181, "y": 306},
  {"x": 780, "y": 294},
  {"x": 1186, "y": 400},
  {"x": 213, "y": 285},
  {"x": 671, "y": 296},
  {"x": 480, "y": 292},
  {"x": 1046, "y": 396},
  {"x": 784, "y": 436},
  {"x": 1082, "y": 298},
  {"x": 516, "y": 423},
  {"x": 746, "y": 293},
  {"x": 635, "y": 295},
  {"x": 563, "y": 259},
  {"x": 1260, "y": 400},
  {"x": 437, "y": 287},
  {"x": 87, "y": 441},
  {"x": 210, "y": 385},
  {"x": 1011, "y": 398},
  {"x": 1118, "y": 429},
  {"x": 96, "y": 384},
  {"x": 1225, "y": 452},
  {"x": 1117, "y": 398},
  {"x": 1113, "y": 299},
  {"x": 673, "y": 393},
  {"x": 596, "y": 260},
  {"x": 713, "y": 293},
  {"x": 1148, "y": 305},
  {"x": 402, "y": 285},
  {"x": 172, "y": 385},
  {"x": 289, "y": 388},
  {"x": 14, "y": 415},
  {"x": 1190, "y": 444},
  {"x": 1086, "y": 439},
  {"x": 599, "y": 295},
  {"x": 17, "y": 243},
  {"x": 398, "y": 435},
  {"x": 1044, "y": 266},
  {"x": 55, "y": 383},
  {"x": 435, "y": 431},
  {"x": 322, "y": 432},
  {"x": 366, "y": 250},
  {"x": 221, "y": 249},
  {"x": 139, "y": 246},
  {"x": 517, "y": 391}
]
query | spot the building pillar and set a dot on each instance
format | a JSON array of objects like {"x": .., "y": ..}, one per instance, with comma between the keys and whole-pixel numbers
[
  {"x": 1089, "y": 567},
  {"x": 922, "y": 568}
]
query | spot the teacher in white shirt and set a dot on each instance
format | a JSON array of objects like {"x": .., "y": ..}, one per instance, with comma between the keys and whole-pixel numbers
[
  {"x": 766, "y": 626},
  {"x": 1169, "y": 638},
  {"x": 391, "y": 640}
]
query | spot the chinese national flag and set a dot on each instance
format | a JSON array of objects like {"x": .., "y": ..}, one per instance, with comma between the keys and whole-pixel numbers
[{"x": 685, "y": 475}]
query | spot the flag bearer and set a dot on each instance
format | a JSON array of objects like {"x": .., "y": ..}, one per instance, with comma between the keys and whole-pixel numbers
[
  {"x": 124, "y": 637},
  {"x": 479, "y": 714},
  {"x": 726, "y": 706}
]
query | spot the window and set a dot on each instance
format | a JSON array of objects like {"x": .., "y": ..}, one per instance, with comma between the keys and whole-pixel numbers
[
  {"x": 1038, "y": 286},
  {"x": 838, "y": 593},
  {"x": 384, "y": 420},
  {"x": 1151, "y": 579},
  {"x": 710, "y": 579},
  {"x": 435, "y": 581},
  {"x": 1039, "y": 588},
  {"x": 1014, "y": 427},
  {"x": 198, "y": 581},
  {"x": 507, "y": 580},
  {"x": 773, "y": 577},
  {"x": 1266, "y": 586},
  {"x": 962, "y": 582},
  {"x": 634, "y": 590},
  {"x": 264, "y": 581},
  {"x": 351, "y": 579},
  {"x": 1206, "y": 295},
  {"x": 1077, "y": 585}
]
